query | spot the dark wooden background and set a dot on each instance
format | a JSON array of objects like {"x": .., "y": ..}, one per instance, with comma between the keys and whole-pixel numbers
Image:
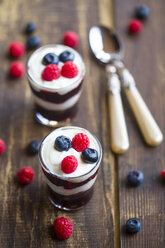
[{"x": 26, "y": 216}]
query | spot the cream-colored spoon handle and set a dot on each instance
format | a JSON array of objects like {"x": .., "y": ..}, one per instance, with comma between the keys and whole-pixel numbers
[
  {"x": 119, "y": 136},
  {"x": 148, "y": 126}
]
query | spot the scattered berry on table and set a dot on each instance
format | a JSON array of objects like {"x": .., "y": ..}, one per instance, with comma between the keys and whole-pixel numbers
[
  {"x": 69, "y": 70},
  {"x": 33, "y": 42},
  {"x": 2, "y": 146},
  {"x": 135, "y": 26},
  {"x": 25, "y": 175},
  {"x": 133, "y": 225},
  {"x": 80, "y": 142},
  {"x": 51, "y": 72},
  {"x": 135, "y": 177},
  {"x": 69, "y": 164},
  {"x": 70, "y": 38},
  {"x": 33, "y": 147},
  {"x": 17, "y": 69},
  {"x": 66, "y": 56},
  {"x": 62, "y": 143},
  {"x": 63, "y": 228},
  {"x": 30, "y": 28},
  {"x": 142, "y": 12},
  {"x": 50, "y": 58},
  {"x": 89, "y": 155},
  {"x": 16, "y": 49},
  {"x": 163, "y": 174}
]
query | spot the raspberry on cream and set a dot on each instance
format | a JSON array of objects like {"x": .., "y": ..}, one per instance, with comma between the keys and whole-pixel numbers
[{"x": 51, "y": 72}]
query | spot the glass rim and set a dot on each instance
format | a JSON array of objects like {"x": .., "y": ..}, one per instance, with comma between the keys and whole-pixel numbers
[
  {"x": 47, "y": 88},
  {"x": 66, "y": 177}
]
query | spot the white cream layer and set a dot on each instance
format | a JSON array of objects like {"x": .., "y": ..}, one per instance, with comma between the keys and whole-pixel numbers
[
  {"x": 61, "y": 85},
  {"x": 60, "y": 106},
  {"x": 60, "y": 189},
  {"x": 53, "y": 158}
]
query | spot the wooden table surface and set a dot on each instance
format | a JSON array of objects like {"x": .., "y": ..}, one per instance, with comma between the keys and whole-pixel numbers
[{"x": 26, "y": 215}]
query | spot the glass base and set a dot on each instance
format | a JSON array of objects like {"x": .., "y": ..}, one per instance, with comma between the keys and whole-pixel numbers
[
  {"x": 72, "y": 202},
  {"x": 51, "y": 123},
  {"x": 62, "y": 207}
]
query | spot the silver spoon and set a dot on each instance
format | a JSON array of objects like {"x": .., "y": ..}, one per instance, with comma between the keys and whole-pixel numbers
[
  {"x": 106, "y": 47},
  {"x": 99, "y": 37}
]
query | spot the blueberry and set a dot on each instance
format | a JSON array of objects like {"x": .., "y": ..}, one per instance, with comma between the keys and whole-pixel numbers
[
  {"x": 66, "y": 56},
  {"x": 33, "y": 42},
  {"x": 62, "y": 143},
  {"x": 89, "y": 155},
  {"x": 50, "y": 58},
  {"x": 142, "y": 12},
  {"x": 133, "y": 225},
  {"x": 135, "y": 177},
  {"x": 30, "y": 28},
  {"x": 33, "y": 147}
]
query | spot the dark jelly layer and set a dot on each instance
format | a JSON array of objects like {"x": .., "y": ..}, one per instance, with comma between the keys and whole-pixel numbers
[
  {"x": 67, "y": 184},
  {"x": 55, "y": 97},
  {"x": 70, "y": 202},
  {"x": 57, "y": 115}
]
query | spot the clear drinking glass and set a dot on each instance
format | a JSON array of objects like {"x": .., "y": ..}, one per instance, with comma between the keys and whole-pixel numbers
[
  {"x": 67, "y": 192},
  {"x": 54, "y": 101}
]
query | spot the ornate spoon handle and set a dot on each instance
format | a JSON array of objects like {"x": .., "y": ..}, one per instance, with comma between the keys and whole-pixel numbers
[
  {"x": 119, "y": 136},
  {"x": 148, "y": 126}
]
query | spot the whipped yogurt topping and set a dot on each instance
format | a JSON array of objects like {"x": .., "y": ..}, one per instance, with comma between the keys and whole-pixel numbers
[
  {"x": 35, "y": 68},
  {"x": 53, "y": 158}
]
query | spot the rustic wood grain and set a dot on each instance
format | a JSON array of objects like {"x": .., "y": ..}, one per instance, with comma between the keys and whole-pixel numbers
[
  {"x": 106, "y": 17},
  {"x": 26, "y": 215},
  {"x": 145, "y": 58}
]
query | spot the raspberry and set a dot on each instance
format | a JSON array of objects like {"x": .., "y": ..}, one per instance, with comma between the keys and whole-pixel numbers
[
  {"x": 17, "y": 69},
  {"x": 25, "y": 175},
  {"x": 69, "y": 70},
  {"x": 80, "y": 142},
  {"x": 163, "y": 174},
  {"x": 135, "y": 26},
  {"x": 16, "y": 49},
  {"x": 2, "y": 146},
  {"x": 63, "y": 228},
  {"x": 51, "y": 72},
  {"x": 69, "y": 164},
  {"x": 70, "y": 38}
]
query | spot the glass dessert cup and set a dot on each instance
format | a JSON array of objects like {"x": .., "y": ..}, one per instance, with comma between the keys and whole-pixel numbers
[
  {"x": 70, "y": 192},
  {"x": 57, "y": 101}
]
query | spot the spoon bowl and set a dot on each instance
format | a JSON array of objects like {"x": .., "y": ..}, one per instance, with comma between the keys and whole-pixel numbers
[{"x": 106, "y": 45}]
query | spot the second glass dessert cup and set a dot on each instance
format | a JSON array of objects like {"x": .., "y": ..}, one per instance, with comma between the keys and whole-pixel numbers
[{"x": 64, "y": 191}]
